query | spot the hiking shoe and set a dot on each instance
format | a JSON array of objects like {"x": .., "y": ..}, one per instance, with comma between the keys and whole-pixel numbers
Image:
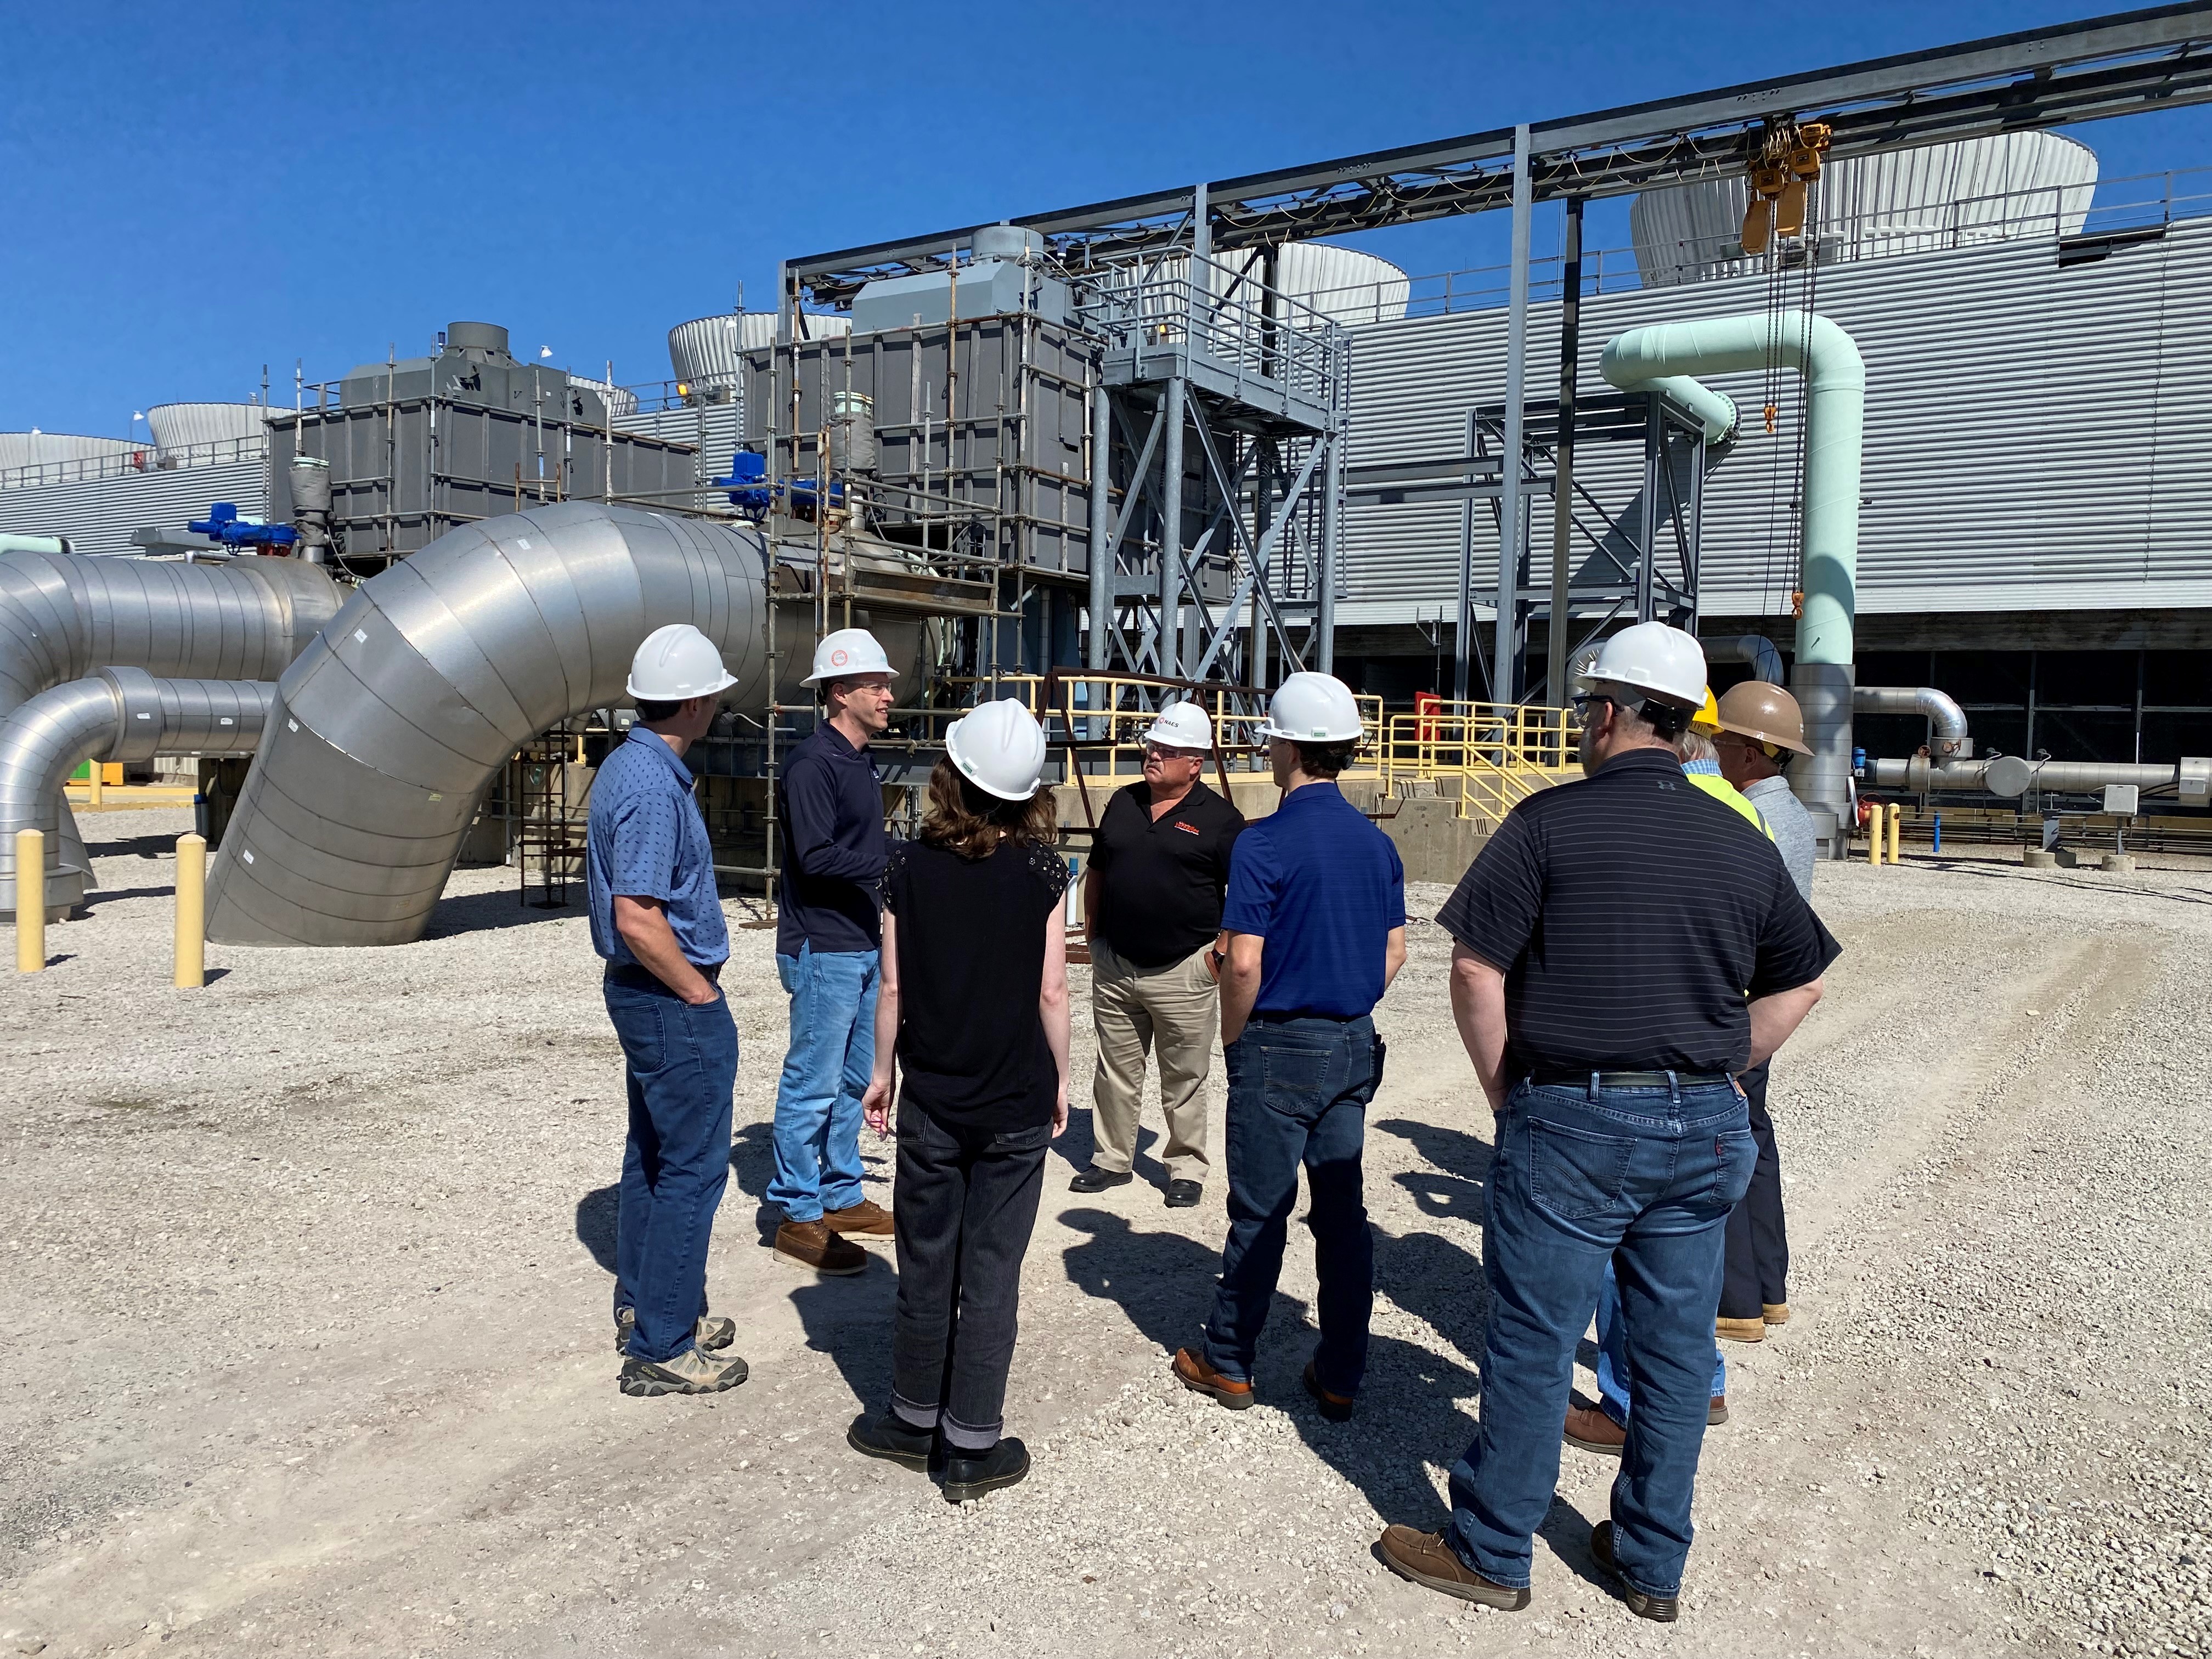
[
  {"x": 1425, "y": 1559},
  {"x": 1659, "y": 1609},
  {"x": 892, "y": 1438},
  {"x": 1774, "y": 1313},
  {"x": 867, "y": 1217},
  {"x": 689, "y": 1372},
  {"x": 1740, "y": 1330},
  {"x": 1095, "y": 1179},
  {"x": 1184, "y": 1194},
  {"x": 713, "y": 1332},
  {"x": 812, "y": 1244},
  {"x": 970, "y": 1475},
  {"x": 1195, "y": 1373},
  {"x": 1337, "y": 1408}
]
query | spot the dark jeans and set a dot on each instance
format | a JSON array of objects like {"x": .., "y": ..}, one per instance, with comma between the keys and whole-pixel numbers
[
  {"x": 1299, "y": 1090},
  {"x": 1644, "y": 1176},
  {"x": 1758, "y": 1241},
  {"x": 964, "y": 1204},
  {"x": 681, "y": 1063}
]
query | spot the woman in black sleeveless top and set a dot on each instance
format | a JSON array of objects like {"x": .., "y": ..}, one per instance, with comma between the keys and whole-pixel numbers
[{"x": 974, "y": 1007}]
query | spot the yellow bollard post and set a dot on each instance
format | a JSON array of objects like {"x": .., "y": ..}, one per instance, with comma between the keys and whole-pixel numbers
[
  {"x": 191, "y": 912},
  {"x": 1874, "y": 835},
  {"x": 93, "y": 779},
  {"x": 1896, "y": 815},
  {"x": 30, "y": 901}
]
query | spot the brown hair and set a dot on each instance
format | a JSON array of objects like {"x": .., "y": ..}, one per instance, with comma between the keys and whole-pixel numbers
[
  {"x": 1325, "y": 760},
  {"x": 971, "y": 822}
]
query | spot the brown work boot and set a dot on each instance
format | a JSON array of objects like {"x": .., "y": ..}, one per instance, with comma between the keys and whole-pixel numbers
[
  {"x": 1195, "y": 1373},
  {"x": 1716, "y": 1410},
  {"x": 867, "y": 1218},
  {"x": 1740, "y": 1330},
  {"x": 1774, "y": 1313},
  {"x": 1591, "y": 1430},
  {"x": 1660, "y": 1609},
  {"x": 812, "y": 1244},
  {"x": 1427, "y": 1560}
]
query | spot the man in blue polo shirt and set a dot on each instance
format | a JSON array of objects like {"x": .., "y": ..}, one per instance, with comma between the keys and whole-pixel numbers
[
  {"x": 657, "y": 921},
  {"x": 1315, "y": 919}
]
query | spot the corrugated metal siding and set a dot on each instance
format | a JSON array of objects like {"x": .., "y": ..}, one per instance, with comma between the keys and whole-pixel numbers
[
  {"x": 99, "y": 514},
  {"x": 2037, "y": 437}
]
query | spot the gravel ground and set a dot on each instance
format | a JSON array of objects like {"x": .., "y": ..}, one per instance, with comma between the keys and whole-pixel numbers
[{"x": 305, "y": 1348}]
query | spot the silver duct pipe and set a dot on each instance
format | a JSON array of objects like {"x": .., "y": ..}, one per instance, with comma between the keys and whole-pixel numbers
[
  {"x": 1754, "y": 648},
  {"x": 1951, "y": 741},
  {"x": 2012, "y": 776},
  {"x": 117, "y": 714},
  {"x": 391, "y": 727}
]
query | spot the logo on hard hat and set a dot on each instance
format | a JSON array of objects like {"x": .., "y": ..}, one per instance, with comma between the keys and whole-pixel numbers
[{"x": 837, "y": 658}]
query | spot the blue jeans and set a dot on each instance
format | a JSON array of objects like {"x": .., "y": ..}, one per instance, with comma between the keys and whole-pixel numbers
[
  {"x": 825, "y": 1072},
  {"x": 681, "y": 1063},
  {"x": 1613, "y": 1373},
  {"x": 1643, "y": 1177},
  {"x": 1299, "y": 1090}
]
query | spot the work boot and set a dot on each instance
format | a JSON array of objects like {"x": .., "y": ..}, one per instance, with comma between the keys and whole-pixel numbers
[
  {"x": 1716, "y": 1410},
  {"x": 892, "y": 1438},
  {"x": 1336, "y": 1407},
  {"x": 1774, "y": 1313},
  {"x": 1588, "y": 1429},
  {"x": 1184, "y": 1194},
  {"x": 867, "y": 1218},
  {"x": 970, "y": 1475},
  {"x": 1195, "y": 1373},
  {"x": 1740, "y": 1330},
  {"x": 1095, "y": 1179},
  {"x": 689, "y": 1372},
  {"x": 1427, "y": 1560},
  {"x": 713, "y": 1332},
  {"x": 812, "y": 1244},
  {"x": 1659, "y": 1609}
]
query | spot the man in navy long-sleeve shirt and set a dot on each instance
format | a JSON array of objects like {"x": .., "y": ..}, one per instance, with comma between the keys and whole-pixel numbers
[{"x": 831, "y": 804}]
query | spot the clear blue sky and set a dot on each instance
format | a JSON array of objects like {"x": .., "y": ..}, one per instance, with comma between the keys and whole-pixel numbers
[{"x": 190, "y": 191}]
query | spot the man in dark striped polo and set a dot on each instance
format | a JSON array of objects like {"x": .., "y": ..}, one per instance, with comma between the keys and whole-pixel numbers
[{"x": 1626, "y": 945}]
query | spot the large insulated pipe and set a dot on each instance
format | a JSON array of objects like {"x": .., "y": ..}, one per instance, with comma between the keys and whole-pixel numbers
[
  {"x": 390, "y": 728},
  {"x": 117, "y": 714},
  {"x": 2012, "y": 776},
  {"x": 1754, "y": 648},
  {"x": 1835, "y": 389},
  {"x": 1950, "y": 739}
]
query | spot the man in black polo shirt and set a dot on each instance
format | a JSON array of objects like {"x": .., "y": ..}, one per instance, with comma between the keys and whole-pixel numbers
[
  {"x": 1625, "y": 946},
  {"x": 1152, "y": 909}
]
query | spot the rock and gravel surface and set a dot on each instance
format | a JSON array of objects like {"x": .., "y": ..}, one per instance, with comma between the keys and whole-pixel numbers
[{"x": 305, "y": 1345}]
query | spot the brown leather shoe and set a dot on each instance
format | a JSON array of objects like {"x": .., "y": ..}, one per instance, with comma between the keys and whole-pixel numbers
[
  {"x": 1591, "y": 1430},
  {"x": 867, "y": 1217},
  {"x": 1774, "y": 1313},
  {"x": 1716, "y": 1411},
  {"x": 1659, "y": 1609},
  {"x": 1427, "y": 1560},
  {"x": 1195, "y": 1373},
  {"x": 1740, "y": 1330},
  {"x": 812, "y": 1244}
]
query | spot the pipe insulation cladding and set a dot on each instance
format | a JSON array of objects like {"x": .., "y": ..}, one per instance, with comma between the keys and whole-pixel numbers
[
  {"x": 392, "y": 726},
  {"x": 1950, "y": 739},
  {"x": 117, "y": 714},
  {"x": 1835, "y": 417}
]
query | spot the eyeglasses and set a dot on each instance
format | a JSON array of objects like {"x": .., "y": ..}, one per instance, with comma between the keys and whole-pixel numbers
[
  {"x": 1161, "y": 751},
  {"x": 1582, "y": 700}
]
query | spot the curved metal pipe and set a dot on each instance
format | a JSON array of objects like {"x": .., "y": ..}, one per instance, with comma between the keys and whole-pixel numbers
[
  {"x": 117, "y": 714},
  {"x": 1754, "y": 648},
  {"x": 1950, "y": 740},
  {"x": 2010, "y": 776},
  {"x": 392, "y": 726}
]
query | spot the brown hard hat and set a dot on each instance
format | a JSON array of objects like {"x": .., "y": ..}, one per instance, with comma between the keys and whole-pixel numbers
[{"x": 1757, "y": 709}]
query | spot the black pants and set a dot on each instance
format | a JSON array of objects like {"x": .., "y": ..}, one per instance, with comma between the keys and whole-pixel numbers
[
  {"x": 1757, "y": 1270},
  {"x": 965, "y": 1204}
]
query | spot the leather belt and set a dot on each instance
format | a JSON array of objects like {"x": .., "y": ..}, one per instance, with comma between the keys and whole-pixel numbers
[{"x": 1557, "y": 1079}]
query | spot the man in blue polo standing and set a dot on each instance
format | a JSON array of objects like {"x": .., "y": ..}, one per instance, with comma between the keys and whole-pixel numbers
[
  {"x": 1316, "y": 920},
  {"x": 657, "y": 921},
  {"x": 827, "y": 935}
]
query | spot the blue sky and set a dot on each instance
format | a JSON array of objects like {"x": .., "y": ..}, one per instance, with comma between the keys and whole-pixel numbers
[{"x": 191, "y": 191}]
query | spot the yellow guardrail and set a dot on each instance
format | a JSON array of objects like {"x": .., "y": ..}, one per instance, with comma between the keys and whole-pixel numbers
[{"x": 1485, "y": 758}]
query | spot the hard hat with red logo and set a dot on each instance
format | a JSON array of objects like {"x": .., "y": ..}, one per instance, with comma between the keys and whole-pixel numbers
[{"x": 847, "y": 653}]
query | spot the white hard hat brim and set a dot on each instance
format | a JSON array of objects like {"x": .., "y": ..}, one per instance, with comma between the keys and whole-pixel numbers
[
  {"x": 721, "y": 685},
  {"x": 850, "y": 674}
]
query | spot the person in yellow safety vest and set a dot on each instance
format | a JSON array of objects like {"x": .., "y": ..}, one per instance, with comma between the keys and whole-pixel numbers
[{"x": 1703, "y": 768}]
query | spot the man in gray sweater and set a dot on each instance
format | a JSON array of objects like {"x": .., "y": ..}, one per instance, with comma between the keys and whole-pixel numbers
[{"x": 1760, "y": 729}]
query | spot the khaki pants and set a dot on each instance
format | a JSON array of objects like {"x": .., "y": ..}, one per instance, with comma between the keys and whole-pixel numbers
[{"x": 1130, "y": 1009}]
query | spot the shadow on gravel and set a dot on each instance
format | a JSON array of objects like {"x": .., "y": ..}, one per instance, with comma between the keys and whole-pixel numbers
[
  {"x": 480, "y": 913},
  {"x": 850, "y": 1319},
  {"x": 1078, "y": 1144},
  {"x": 1461, "y": 1167},
  {"x": 595, "y": 1223},
  {"x": 143, "y": 847}
]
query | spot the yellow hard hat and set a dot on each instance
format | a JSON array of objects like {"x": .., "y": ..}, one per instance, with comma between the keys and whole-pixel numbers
[{"x": 1708, "y": 719}]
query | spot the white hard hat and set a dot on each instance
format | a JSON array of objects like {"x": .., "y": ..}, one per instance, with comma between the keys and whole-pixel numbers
[
  {"x": 999, "y": 748},
  {"x": 1181, "y": 725},
  {"x": 677, "y": 662},
  {"x": 1312, "y": 708},
  {"x": 848, "y": 652},
  {"x": 1654, "y": 657}
]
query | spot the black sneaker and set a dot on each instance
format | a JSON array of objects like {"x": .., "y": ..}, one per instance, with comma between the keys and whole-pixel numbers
[
  {"x": 1184, "y": 1194},
  {"x": 892, "y": 1438},
  {"x": 970, "y": 1475},
  {"x": 1095, "y": 1179},
  {"x": 1660, "y": 1609}
]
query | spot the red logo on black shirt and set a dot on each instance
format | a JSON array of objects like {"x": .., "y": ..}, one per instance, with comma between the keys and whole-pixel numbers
[{"x": 1188, "y": 828}]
